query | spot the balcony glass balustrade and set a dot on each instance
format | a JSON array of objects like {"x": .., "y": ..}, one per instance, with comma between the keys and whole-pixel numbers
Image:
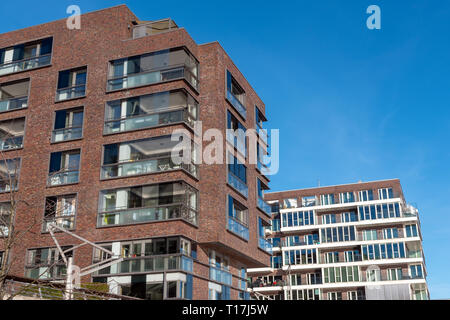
[
  {"x": 265, "y": 245},
  {"x": 11, "y": 143},
  {"x": 220, "y": 275},
  {"x": 238, "y": 228},
  {"x": 65, "y": 134},
  {"x": 65, "y": 177},
  {"x": 13, "y": 104},
  {"x": 25, "y": 64},
  {"x": 237, "y": 104},
  {"x": 71, "y": 92},
  {"x": 265, "y": 207},
  {"x": 238, "y": 184}
]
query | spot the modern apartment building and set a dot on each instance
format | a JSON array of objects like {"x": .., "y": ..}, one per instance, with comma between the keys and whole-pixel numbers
[
  {"x": 86, "y": 118},
  {"x": 346, "y": 242}
]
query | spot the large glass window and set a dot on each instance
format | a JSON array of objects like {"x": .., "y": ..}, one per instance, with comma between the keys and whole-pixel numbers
[
  {"x": 326, "y": 199},
  {"x": 416, "y": 271},
  {"x": 380, "y": 211},
  {"x": 237, "y": 218},
  {"x": 25, "y": 56},
  {"x": 300, "y": 257},
  {"x": 155, "y": 67},
  {"x": 142, "y": 204},
  {"x": 338, "y": 234},
  {"x": 297, "y": 219},
  {"x": 237, "y": 175},
  {"x": 411, "y": 230},
  {"x": 9, "y": 174},
  {"x": 60, "y": 210},
  {"x": 47, "y": 263},
  {"x": 383, "y": 251},
  {"x": 5, "y": 219},
  {"x": 145, "y": 156},
  {"x": 68, "y": 125},
  {"x": 366, "y": 195},
  {"x": 11, "y": 134},
  {"x": 341, "y": 274},
  {"x": 71, "y": 84},
  {"x": 346, "y": 197},
  {"x": 64, "y": 167},
  {"x": 236, "y": 133},
  {"x": 236, "y": 95},
  {"x": 385, "y": 193},
  {"x": 151, "y": 110},
  {"x": 14, "y": 95}
]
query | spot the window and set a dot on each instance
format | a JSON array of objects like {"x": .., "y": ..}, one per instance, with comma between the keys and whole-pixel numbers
[
  {"x": 369, "y": 235},
  {"x": 64, "y": 167},
  {"x": 305, "y": 294},
  {"x": 352, "y": 256},
  {"x": 9, "y": 174},
  {"x": 259, "y": 120},
  {"x": 68, "y": 125},
  {"x": 219, "y": 269},
  {"x": 334, "y": 295},
  {"x": 149, "y": 111},
  {"x": 383, "y": 251},
  {"x": 237, "y": 218},
  {"x": 149, "y": 203},
  {"x": 385, "y": 193},
  {"x": 332, "y": 257},
  {"x": 349, "y": 216},
  {"x": 25, "y": 56},
  {"x": 341, "y": 274},
  {"x": 346, "y": 197},
  {"x": 416, "y": 271},
  {"x": 373, "y": 275},
  {"x": 263, "y": 205},
  {"x": 147, "y": 256},
  {"x": 155, "y": 67},
  {"x": 395, "y": 274},
  {"x": 236, "y": 134},
  {"x": 390, "y": 233},
  {"x": 47, "y": 263},
  {"x": 326, "y": 199},
  {"x": 14, "y": 95},
  {"x": 338, "y": 234},
  {"x": 60, "y": 210},
  {"x": 381, "y": 211},
  {"x": 297, "y": 219},
  {"x": 147, "y": 156},
  {"x": 1, "y": 259},
  {"x": 11, "y": 134},
  {"x": 289, "y": 203},
  {"x": 329, "y": 218},
  {"x": 262, "y": 242},
  {"x": 276, "y": 262},
  {"x": 71, "y": 84},
  {"x": 411, "y": 230},
  {"x": 236, "y": 95},
  {"x": 5, "y": 219},
  {"x": 309, "y": 201},
  {"x": 355, "y": 295},
  {"x": 366, "y": 195},
  {"x": 237, "y": 175},
  {"x": 300, "y": 257}
]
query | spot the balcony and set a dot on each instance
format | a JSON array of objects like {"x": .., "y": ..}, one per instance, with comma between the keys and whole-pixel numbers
[
  {"x": 147, "y": 166},
  {"x": 238, "y": 184},
  {"x": 64, "y": 177},
  {"x": 238, "y": 228},
  {"x": 148, "y": 264},
  {"x": 265, "y": 207},
  {"x": 66, "y": 134},
  {"x": 265, "y": 245},
  {"x": 237, "y": 104},
  {"x": 25, "y": 64},
  {"x": 148, "y": 214},
  {"x": 263, "y": 135},
  {"x": 73, "y": 92},
  {"x": 220, "y": 275},
  {"x": 153, "y": 27}
]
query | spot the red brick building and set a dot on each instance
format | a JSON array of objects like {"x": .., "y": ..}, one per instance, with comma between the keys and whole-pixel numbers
[{"x": 86, "y": 114}]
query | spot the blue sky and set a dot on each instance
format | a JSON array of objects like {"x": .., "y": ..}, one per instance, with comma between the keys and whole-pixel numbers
[{"x": 351, "y": 103}]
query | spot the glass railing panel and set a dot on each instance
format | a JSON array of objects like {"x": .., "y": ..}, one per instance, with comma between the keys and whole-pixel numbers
[
  {"x": 71, "y": 93},
  {"x": 67, "y": 222},
  {"x": 144, "y": 167},
  {"x": 237, "y": 104},
  {"x": 265, "y": 207},
  {"x": 14, "y": 103},
  {"x": 238, "y": 184},
  {"x": 238, "y": 228},
  {"x": 22, "y": 65},
  {"x": 220, "y": 275},
  {"x": 65, "y": 134},
  {"x": 69, "y": 176},
  {"x": 147, "y": 121},
  {"x": 150, "y": 77},
  {"x": 265, "y": 245},
  {"x": 149, "y": 214},
  {"x": 11, "y": 143}
]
